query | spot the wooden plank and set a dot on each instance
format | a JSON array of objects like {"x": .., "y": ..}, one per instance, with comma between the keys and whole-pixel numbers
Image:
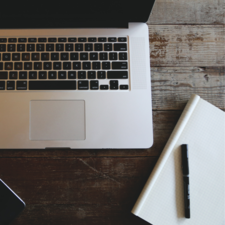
[
  {"x": 187, "y": 45},
  {"x": 188, "y": 12},
  {"x": 173, "y": 86}
]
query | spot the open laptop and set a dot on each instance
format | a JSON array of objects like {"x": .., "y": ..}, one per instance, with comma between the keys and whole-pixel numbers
[{"x": 75, "y": 75}]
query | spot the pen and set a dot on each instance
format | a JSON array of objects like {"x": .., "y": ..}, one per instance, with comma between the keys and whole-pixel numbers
[{"x": 184, "y": 149}]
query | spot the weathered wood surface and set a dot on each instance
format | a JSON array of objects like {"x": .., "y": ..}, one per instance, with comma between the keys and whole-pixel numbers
[{"x": 188, "y": 12}]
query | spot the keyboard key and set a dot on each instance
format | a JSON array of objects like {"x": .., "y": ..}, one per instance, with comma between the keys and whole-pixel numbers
[
  {"x": 120, "y": 47},
  {"x": 25, "y": 56},
  {"x": 92, "y": 39},
  {"x": 35, "y": 56},
  {"x": 2, "y": 47},
  {"x": 11, "y": 47},
  {"x": 67, "y": 65},
  {"x": 10, "y": 85},
  {"x": 94, "y": 56},
  {"x": 113, "y": 84},
  {"x": 117, "y": 75},
  {"x": 104, "y": 56},
  {"x": 91, "y": 75},
  {"x": 22, "y": 40},
  {"x": 106, "y": 65},
  {"x": 32, "y": 75},
  {"x": 113, "y": 56},
  {"x": 96, "y": 65},
  {"x": 101, "y": 74},
  {"x": 3, "y": 40},
  {"x": 32, "y": 39},
  {"x": 86, "y": 65},
  {"x": 124, "y": 87},
  {"x": 59, "y": 47},
  {"x": 42, "y": 75},
  {"x": 6, "y": 56},
  {"x": 8, "y": 66},
  {"x": 15, "y": 56},
  {"x": 18, "y": 66},
  {"x": 20, "y": 47},
  {"x": 76, "y": 65},
  {"x": 104, "y": 87},
  {"x": 61, "y": 39},
  {"x": 12, "y": 40},
  {"x": 52, "y": 75},
  {"x": 112, "y": 39},
  {"x": 107, "y": 47},
  {"x": 73, "y": 56},
  {"x": 83, "y": 56},
  {"x": 82, "y": 39},
  {"x": 42, "y": 39},
  {"x": 83, "y": 85},
  {"x": 30, "y": 47},
  {"x": 40, "y": 47},
  {"x": 82, "y": 75},
  {"x": 21, "y": 85},
  {"x": 57, "y": 65},
  {"x": 64, "y": 56},
  {"x": 54, "y": 56},
  {"x": 45, "y": 56},
  {"x": 51, "y": 39},
  {"x": 69, "y": 47},
  {"x": 22, "y": 75},
  {"x": 73, "y": 39},
  {"x": 98, "y": 47},
  {"x": 122, "y": 56},
  {"x": 50, "y": 47},
  {"x": 2, "y": 85},
  {"x": 119, "y": 65},
  {"x": 72, "y": 75},
  {"x": 122, "y": 39},
  {"x": 101, "y": 39},
  {"x": 28, "y": 66},
  {"x": 52, "y": 85},
  {"x": 38, "y": 65},
  {"x": 62, "y": 75},
  {"x": 79, "y": 47},
  {"x": 47, "y": 65},
  {"x": 94, "y": 85},
  {"x": 3, "y": 75},
  {"x": 89, "y": 47}
]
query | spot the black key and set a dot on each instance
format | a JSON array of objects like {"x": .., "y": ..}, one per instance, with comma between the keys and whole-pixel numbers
[
  {"x": 92, "y": 39},
  {"x": 83, "y": 56},
  {"x": 106, "y": 65},
  {"x": 59, "y": 47},
  {"x": 2, "y": 47},
  {"x": 73, "y": 56},
  {"x": 61, "y": 39},
  {"x": 62, "y": 75},
  {"x": 6, "y": 56},
  {"x": 67, "y": 65},
  {"x": 3, "y": 75},
  {"x": 28, "y": 66},
  {"x": 73, "y": 39},
  {"x": 72, "y": 75},
  {"x": 20, "y": 47},
  {"x": 49, "y": 47},
  {"x": 82, "y": 39},
  {"x": 52, "y": 85},
  {"x": 47, "y": 65},
  {"x": 57, "y": 65},
  {"x": 54, "y": 56},
  {"x": 30, "y": 47},
  {"x": 122, "y": 39},
  {"x": 2, "y": 85},
  {"x": 35, "y": 56},
  {"x": 10, "y": 85},
  {"x": 1, "y": 66},
  {"x": 18, "y": 66},
  {"x": 94, "y": 56},
  {"x": 32, "y": 39},
  {"x": 124, "y": 87},
  {"x": 122, "y": 56},
  {"x": 22, "y": 40},
  {"x": 98, "y": 47},
  {"x": 88, "y": 47},
  {"x": 64, "y": 56},
  {"x": 8, "y": 66},
  {"x": 107, "y": 47},
  {"x": 86, "y": 65},
  {"x": 83, "y": 85},
  {"x": 113, "y": 84},
  {"x": 44, "y": 56},
  {"x": 82, "y": 75},
  {"x": 15, "y": 56},
  {"x": 69, "y": 47},
  {"x": 42, "y": 39},
  {"x": 112, "y": 39},
  {"x": 11, "y": 47},
  {"x": 104, "y": 87},
  {"x": 101, "y": 74},
  {"x": 22, "y": 75},
  {"x": 38, "y": 65},
  {"x": 52, "y": 75},
  {"x": 32, "y": 75},
  {"x": 79, "y": 47},
  {"x": 40, "y": 47},
  {"x": 113, "y": 56},
  {"x": 91, "y": 75},
  {"x": 96, "y": 65},
  {"x": 104, "y": 56},
  {"x": 101, "y": 39},
  {"x": 120, "y": 47},
  {"x": 12, "y": 40},
  {"x": 76, "y": 65},
  {"x": 117, "y": 74},
  {"x": 3, "y": 40},
  {"x": 94, "y": 85},
  {"x": 119, "y": 65},
  {"x": 42, "y": 75},
  {"x": 25, "y": 56},
  {"x": 21, "y": 85},
  {"x": 51, "y": 39}
]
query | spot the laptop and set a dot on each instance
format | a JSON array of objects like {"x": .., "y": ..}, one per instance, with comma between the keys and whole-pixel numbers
[{"x": 75, "y": 75}]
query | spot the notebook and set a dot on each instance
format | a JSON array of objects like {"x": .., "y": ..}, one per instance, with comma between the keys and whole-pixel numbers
[
  {"x": 75, "y": 75},
  {"x": 202, "y": 127}
]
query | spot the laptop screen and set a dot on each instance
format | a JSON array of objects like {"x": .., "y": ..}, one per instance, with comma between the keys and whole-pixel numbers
[{"x": 28, "y": 14}]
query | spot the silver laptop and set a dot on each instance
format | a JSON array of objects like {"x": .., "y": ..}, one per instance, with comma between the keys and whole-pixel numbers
[{"x": 75, "y": 75}]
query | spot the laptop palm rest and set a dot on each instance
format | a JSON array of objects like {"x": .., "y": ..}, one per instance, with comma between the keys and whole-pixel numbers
[{"x": 57, "y": 120}]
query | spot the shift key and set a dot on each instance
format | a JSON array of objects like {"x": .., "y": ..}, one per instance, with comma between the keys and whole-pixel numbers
[{"x": 117, "y": 74}]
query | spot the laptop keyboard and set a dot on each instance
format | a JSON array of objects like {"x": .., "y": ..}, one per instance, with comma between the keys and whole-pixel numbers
[{"x": 73, "y": 63}]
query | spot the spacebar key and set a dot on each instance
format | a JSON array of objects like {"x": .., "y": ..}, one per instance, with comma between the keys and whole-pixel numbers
[{"x": 52, "y": 85}]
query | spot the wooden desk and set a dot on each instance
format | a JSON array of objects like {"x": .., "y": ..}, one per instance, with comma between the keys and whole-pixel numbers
[{"x": 88, "y": 187}]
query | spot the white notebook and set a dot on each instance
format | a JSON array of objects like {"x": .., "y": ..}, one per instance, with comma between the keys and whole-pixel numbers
[{"x": 202, "y": 127}]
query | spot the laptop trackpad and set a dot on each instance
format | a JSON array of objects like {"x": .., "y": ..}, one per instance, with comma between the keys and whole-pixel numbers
[{"x": 57, "y": 120}]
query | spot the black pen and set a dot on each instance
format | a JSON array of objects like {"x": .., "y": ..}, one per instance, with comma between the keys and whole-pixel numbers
[{"x": 184, "y": 149}]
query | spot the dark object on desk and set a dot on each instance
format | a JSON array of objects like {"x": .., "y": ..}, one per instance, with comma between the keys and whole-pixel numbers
[
  {"x": 10, "y": 204},
  {"x": 184, "y": 149}
]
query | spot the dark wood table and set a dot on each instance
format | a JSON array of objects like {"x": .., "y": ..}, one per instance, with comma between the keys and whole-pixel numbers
[{"x": 88, "y": 187}]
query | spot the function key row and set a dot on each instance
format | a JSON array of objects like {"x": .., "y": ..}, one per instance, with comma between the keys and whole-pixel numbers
[{"x": 64, "y": 39}]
